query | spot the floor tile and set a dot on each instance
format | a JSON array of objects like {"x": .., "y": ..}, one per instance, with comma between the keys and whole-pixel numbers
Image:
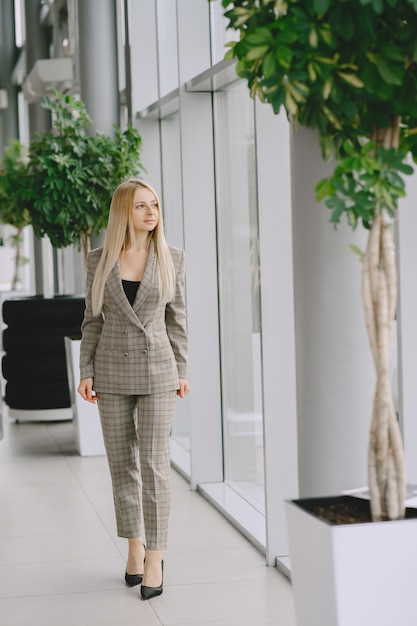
[
  {"x": 25, "y": 441},
  {"x": 41, "y": 579},
  {"x": 63, "y": 434},
  {"x": 215, "y": 565},
  {"x": 53, "y": 519},
  {"x": 235, "y": 600},
  {"x": 107, "y": 517},
  {"x": 52, "y": 548},
  {"x": 187, "y": 505},
  {"x": 36, "y": 475},
  {"x": 90, "y": 472},
  {"x": 178, "y": 482},
  {"x": 109, "y": 608},
  {"x": 197, "y": 537}
]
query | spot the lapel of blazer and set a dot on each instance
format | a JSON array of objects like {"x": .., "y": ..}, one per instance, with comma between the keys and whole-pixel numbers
[
  {"x": 147, "y": 279},
  {"x": 115, "y": 288}
]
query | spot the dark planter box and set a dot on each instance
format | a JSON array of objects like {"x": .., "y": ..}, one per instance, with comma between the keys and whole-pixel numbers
[{"x": 34, "y": 364}]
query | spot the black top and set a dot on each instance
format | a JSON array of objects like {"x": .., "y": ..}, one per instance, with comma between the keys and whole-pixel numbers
[{"x": 130, "y": 287}]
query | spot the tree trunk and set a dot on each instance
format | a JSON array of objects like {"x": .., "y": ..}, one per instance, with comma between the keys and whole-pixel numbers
[{"x": 386, "y": 465}]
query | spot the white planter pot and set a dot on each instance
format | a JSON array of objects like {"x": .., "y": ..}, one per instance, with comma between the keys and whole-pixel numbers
[
  {"x": 88, "y": 433},
  {"x": 354, "y": 574}
]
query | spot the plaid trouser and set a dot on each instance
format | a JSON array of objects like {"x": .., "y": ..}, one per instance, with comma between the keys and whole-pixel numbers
[{"x": 136, "y": 431}]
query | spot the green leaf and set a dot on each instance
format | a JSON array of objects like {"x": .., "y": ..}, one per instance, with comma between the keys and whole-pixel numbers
[
  {"x": 313, "y": 38},
  {"x": 352, "y": 79},
  {"x": 338, "y": 208},
  {"x": 392, "y": 74},
  {"x": 392, "y": 52},
  {"x": 283, "y": 55},
  {"x": 405, "y": 168},
  {"x": 327, "y": 89},
  {"x": 256, "y": 53},
  {"x": 378, "y": 5},
  {"x": 360, "y": 253},
  {"x": 286, "y": 37},
  {"x": 323, "y": 189},
  {"x": 321, "y": 6},
  {"x": 269, "y": 65},
  {"x": 311, "y": 71},
  {"x": 259, "y": 37},
  {"x": 290, "y": 104}
]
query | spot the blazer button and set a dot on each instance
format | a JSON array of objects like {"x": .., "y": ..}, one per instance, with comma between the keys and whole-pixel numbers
[
  {"x": 125, "y": 332},
  {"x": 144, "y": 352},
  {"x": 126, "y": 354}
]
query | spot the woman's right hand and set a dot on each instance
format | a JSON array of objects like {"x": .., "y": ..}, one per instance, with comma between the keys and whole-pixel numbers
[{"x": 85, "y": 389}]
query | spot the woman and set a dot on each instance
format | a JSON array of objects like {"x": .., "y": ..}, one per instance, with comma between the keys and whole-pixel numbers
[{"x": 133, "y": 363}]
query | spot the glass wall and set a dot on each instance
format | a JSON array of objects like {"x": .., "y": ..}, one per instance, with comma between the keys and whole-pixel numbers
[
  {"x": 172, "y": 203},
  {"x": 218, "y": 31},
  {"x": 167, "y": 46},
  {"x": 239, "y": 293}
]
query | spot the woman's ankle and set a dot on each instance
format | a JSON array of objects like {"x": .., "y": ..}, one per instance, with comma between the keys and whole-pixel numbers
[{"x": 136, "y": 556}]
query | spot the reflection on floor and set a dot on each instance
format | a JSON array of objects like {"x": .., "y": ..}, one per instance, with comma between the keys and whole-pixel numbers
[{"x": 62, "y": 563}]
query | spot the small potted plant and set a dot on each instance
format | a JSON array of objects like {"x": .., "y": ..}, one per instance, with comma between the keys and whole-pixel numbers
[{"x": 73, "y": 173}]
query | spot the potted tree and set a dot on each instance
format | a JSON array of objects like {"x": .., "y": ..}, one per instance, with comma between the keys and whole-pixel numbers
[
  {"x": 73, "y": 173},
  {"x": 348, "y": 69},
  {"x": 65, "y": 185}
]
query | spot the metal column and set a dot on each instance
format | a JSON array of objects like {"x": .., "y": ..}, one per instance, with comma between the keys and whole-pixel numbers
[
  {"x": 37, "y": 47},
  {"x": 8, "y": 57},
  {"x": 98, "y": 62}
]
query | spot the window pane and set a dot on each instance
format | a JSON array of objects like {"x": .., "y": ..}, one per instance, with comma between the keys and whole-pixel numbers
[
  {"x": 174, "y": 230},
  {"x": 219, "y": 33},
  {"x": 167, "y": 46},
  {"x": 239, "y": 293}
]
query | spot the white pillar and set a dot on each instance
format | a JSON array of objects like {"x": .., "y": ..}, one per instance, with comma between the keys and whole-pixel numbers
[
  {"x": 36, "y": 46},
  {"x": 39, "y": 120},
  {"x": 335, "y": 374},
  {"x": 8, "y": 116},
  {"x": 407, "y": 323},
  {"x": 98, "y": 62},
  {"x": 278, "y": 332}
]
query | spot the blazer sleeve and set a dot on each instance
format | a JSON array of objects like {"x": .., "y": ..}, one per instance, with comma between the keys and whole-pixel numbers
[
  {"x": 90, "y": 328},
  {"x": 175, "y": 321}
]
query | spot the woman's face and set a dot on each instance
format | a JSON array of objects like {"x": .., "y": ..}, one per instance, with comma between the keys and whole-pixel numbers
[{"x": 145, "y": 213}]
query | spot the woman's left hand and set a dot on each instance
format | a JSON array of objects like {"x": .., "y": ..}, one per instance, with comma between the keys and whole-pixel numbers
[{"x": 184, "y": 388}]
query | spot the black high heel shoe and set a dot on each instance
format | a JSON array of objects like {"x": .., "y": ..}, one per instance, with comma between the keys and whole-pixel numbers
[
  {"x": 133, "y": 579},
  {"x": 151, "y": 592}
]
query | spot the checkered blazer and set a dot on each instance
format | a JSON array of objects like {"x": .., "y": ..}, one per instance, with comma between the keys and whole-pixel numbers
[{"x": 139, "y": 349}]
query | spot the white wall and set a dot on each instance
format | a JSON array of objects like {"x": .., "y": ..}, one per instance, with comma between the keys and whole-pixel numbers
[
  {"x": 335, "y": 375},
  {"x": 7, "y": 260},
  {"x": 407, "y": 322},
  {"x": 6, "y": 266}
]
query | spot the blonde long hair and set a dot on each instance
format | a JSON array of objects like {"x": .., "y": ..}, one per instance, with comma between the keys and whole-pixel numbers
[{"x": 120, "y": 235}]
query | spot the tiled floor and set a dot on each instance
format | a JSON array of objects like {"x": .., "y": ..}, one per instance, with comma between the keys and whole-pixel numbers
[{"x": 61, "y": 563}]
